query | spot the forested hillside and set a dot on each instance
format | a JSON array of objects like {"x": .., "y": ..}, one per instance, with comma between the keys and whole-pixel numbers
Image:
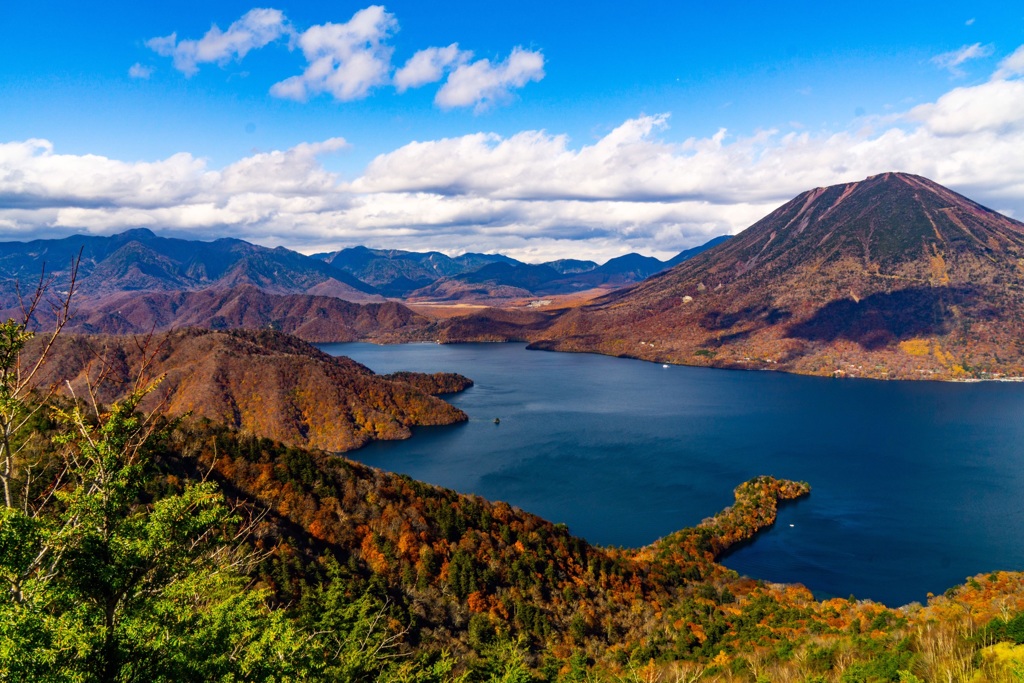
[
  {"x": 315, "y": 318},
  {"x": 264, "y": 383},
  {"x": 140, "y": 547}
]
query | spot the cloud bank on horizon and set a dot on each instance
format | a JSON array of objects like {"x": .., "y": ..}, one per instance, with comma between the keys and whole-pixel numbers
[{"x": 532, "y": 194}]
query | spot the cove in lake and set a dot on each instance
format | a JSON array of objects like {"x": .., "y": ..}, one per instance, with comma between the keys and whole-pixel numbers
[{"x": 915, "y": 485}]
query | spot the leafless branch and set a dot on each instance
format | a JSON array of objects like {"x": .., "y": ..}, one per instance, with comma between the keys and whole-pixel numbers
[{"x": 62, "y": 313}]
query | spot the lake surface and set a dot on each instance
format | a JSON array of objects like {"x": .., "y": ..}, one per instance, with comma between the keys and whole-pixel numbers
[{"x": 915, "y": 485}]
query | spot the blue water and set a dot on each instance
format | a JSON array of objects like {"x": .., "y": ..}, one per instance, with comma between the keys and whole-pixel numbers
[{"x": 915, "y": 485}]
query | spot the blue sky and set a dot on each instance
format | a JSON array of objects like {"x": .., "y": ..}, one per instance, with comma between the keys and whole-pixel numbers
[{"x": 546, "y": 132}]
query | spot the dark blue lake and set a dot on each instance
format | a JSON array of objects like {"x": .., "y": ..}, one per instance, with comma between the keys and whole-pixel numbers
[{"x": 915, "y": 485}]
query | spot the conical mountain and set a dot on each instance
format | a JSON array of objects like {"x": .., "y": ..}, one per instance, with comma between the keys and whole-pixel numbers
[{"x": 893, "y": 276}]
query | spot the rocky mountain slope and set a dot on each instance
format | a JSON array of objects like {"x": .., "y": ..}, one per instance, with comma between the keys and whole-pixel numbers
[
  {"x": 263, "y": 383},
  {"x": 893, "y": 276}
]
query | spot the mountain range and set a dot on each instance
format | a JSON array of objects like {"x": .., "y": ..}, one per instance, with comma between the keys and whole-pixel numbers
[
  {"x": 140, "y": 261},
  {"x": 894, "y": 276},
  {"x": 137, "y": 282},
  {"x": 435, "y": 276}
]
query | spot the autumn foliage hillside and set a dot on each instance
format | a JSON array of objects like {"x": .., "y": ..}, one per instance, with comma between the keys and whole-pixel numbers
[
  {"x": 315, "y": 317},
  {"x": 418, "y": 571},
  {"x": 463, "y": 566},
  {"x": 263, "y": 383},
  {"x": 467, "y": 575}
]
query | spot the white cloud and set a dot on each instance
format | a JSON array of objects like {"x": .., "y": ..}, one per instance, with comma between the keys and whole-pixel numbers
[
  {"x": 293, "y": 172},
  {"x": 429, "y": 66},
  {"x": 137, "y": 70},
  {"x": 951, "y": 61},
  {"x": 532, "y": 194},
  {"x": 33, "y": 176},
  {"x": 1011, "y": 66},
  {"x": 993, "y": 106},
  {"x": 481, "y": 84},
  {"x": 257, "y": 28},
  {"x": 345, "y": 60}
]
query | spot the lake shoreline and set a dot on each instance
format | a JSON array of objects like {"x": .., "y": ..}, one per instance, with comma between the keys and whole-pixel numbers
[{"x": 625, "y": 452}]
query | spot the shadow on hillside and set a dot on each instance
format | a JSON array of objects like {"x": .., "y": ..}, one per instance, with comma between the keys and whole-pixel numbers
[
  {"x": 494, "y": 324},
  {"x": 881, "y": 319},
  {"x": 726, "y": 339},
  {"x": 763, "y": 315}
]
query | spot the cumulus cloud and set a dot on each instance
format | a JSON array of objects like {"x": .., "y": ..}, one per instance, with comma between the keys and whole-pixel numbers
[
  {"x": 290, "y": 173},
  {"x": 951, "y": 61},
  {"x": 345, "y": 60},
  {"x": 257, "y": 28},
  {"x": 994, "y": 107},
  {"x": 137, "y": 70},
  {"x": 429, "y": 66},
  {"x": 99, "y": 193},
  {"x": 533, "y": 194},
  {"x": 32, "y": 175},
  {"x": 481, "y": 84}
]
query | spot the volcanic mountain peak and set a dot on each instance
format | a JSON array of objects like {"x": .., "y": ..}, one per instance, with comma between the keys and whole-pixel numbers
[
  {"x": 853, "y": 269},
  {"x": 892, "y": 225}
]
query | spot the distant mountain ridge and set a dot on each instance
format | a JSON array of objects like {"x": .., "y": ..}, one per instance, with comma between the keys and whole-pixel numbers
[
  {"x": 140, "y": 261},
  {"x": 507, "y": 278},
  {"x": 396, "y": 273},
  {"x": 893, "y": 276}
]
